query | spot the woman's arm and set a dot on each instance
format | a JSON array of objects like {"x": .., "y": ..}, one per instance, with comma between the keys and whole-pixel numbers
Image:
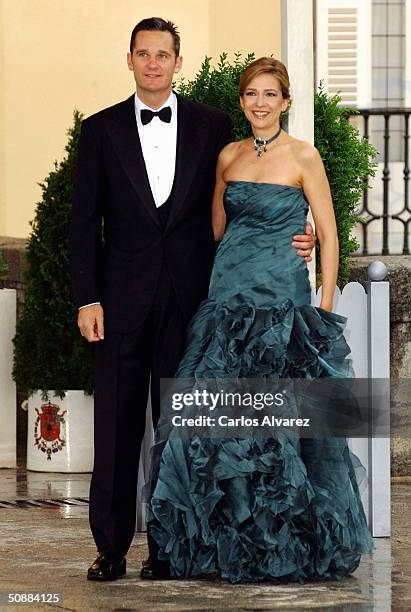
[
  {"x": 218, "y": 213},
  {"x": 317, "y": 191}
]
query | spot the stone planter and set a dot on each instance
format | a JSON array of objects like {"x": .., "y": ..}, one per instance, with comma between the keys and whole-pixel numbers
[
  {"x": 7, "y": 385},
  {"x": 60, "y": 433}
]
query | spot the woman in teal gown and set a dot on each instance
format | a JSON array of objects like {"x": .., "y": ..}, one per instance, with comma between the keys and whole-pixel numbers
[{"x": 253, "y": 509}]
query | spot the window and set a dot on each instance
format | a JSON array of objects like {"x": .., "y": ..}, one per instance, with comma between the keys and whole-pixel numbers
[
  {"x": 343, "y": 49},
  {"x": 388, "y": 71}
]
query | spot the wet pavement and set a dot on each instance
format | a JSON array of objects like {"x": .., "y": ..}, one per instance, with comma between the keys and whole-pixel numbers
[{"x": 46, "y": 547}]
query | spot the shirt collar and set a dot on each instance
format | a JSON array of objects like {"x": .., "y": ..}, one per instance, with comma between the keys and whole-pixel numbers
[{"x": 171, "y": 102}]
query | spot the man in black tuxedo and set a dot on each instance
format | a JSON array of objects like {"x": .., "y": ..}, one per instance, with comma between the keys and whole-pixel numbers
[{"x": 141, "y": 252}]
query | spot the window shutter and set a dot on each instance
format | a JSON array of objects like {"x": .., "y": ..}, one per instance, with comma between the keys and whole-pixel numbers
[{"x": 343, "y": 49}]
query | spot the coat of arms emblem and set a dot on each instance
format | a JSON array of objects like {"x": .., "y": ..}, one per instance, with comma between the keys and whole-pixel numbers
[{"x": 50, "y": 429}]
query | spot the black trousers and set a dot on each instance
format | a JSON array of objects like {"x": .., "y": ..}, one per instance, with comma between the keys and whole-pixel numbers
[{"x": 124, "y": 364}]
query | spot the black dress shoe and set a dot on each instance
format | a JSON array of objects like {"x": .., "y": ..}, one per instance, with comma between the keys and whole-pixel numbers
[
  {"x": 104, "y": 568},
  {"x": 158, "y": 570}
]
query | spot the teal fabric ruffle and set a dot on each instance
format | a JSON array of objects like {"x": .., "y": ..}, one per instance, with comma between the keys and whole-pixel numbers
[{"x": 256, "y": 509}]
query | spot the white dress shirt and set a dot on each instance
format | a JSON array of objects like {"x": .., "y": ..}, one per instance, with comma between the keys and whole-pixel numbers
[{"x": 159, "y": 144}]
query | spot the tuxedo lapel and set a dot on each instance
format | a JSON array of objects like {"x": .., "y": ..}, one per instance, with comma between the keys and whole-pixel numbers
[
  {"x": 190, "y": 144},
  {"x": 126, "y": 142}
]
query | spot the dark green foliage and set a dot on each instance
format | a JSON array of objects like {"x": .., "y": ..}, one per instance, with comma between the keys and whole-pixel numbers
[
  {"x": 348, "y": 162},
  {"x": 347, "y": 157},
  {"x": 3, "y": 268},
  {"x": 49, "y": 350},
  {"x": 219, "y": 87}
]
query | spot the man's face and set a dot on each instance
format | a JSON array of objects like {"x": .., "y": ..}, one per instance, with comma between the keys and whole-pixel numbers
[{"x": 153, "y": 62}]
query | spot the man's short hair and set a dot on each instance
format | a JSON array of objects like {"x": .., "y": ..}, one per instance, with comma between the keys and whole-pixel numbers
[{"x": 156, "y": 24}]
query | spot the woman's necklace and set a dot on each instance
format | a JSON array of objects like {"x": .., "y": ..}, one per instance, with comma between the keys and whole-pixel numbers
[{"x": 260, "y": 145}]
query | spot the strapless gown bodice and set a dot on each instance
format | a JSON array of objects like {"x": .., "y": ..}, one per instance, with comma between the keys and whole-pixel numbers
[{"x": 255, "y": 258}]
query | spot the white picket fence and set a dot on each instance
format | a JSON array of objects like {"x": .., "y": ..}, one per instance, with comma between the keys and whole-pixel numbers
[
  {"x": 7, "y": 384},
  {"x": 367, "y": 333}
]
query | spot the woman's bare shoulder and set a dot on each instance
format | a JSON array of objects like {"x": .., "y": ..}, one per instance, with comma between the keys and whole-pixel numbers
[
  {"x": 305, "y": 151},
  {"x": 229, "y": 153},
  {"x": 230, "y": 149}
]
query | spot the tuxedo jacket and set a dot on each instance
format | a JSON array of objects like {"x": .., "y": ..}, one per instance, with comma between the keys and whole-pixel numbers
[{"x": 117, "y": 247}]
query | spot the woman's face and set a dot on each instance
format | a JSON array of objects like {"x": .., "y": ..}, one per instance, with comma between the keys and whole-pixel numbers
[{"x": 262, "y": 103}]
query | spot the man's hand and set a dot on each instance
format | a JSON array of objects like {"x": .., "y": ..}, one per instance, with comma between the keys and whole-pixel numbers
[
  {"x": 91, "y": 322},
  {"x": 305, "y": 243}
]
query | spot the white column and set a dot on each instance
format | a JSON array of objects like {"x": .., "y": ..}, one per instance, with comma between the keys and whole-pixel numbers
[
  {"x": 297, "y": 53},
  {"x": 7, "y": 385}
]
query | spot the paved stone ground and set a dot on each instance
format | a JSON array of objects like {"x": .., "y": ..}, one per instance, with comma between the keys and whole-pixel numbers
[{"x": 48, "y": 549}]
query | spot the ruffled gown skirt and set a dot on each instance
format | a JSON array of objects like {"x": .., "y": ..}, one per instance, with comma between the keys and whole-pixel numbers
[{"x": 253, "y": 509}]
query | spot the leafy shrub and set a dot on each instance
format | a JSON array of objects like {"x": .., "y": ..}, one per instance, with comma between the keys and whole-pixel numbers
[
  {"x": 3, "y": 268},
  {"x": 49, "y": 352},
  {"x": 219, "y": 87},
  {"x": 348, "y": 161}
]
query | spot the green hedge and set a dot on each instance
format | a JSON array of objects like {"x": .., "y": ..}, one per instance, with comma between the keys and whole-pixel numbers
[
  {"x": 49, "y": 352},
  {"x": 348, "y": 161},
  {"x": 3, "y": 268}
]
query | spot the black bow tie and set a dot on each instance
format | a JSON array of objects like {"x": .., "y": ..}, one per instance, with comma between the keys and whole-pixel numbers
[{"x": 164, "y": 114}]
